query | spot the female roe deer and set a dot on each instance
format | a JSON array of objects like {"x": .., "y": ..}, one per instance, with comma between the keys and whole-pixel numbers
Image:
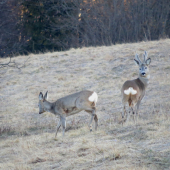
[
  {"x": 133, "y": 91},
  {"x": 69, "y": 105}
]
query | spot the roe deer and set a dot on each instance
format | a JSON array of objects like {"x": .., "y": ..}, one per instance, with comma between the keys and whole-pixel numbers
[
  {"x": 69, "y": 105},
  {"x": 134, "y": 90}
]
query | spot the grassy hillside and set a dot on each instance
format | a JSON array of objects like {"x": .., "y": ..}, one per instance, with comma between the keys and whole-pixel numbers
[{"x": 27, "y": 138}]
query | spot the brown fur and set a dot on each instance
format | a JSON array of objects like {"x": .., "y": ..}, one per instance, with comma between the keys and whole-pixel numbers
[
  {"x": 68, "y": 106},
  {"x": 139, "y": 85},
  {"x": 130, "y": 101}
]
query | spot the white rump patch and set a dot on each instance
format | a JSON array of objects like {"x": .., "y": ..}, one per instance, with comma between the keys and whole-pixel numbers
[
  {"x": 93, "y": 97},
  {"x": 130, "y": 90}
]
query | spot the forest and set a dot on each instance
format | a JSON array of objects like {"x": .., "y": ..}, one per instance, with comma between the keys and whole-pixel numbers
[{"x": 29, "y": 26}]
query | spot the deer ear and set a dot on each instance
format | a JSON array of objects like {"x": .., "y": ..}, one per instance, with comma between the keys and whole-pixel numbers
[
  {"x": 46, "y": 96},
  {"x": 137, "y": 62},
  {"x": 148, "y": 61},
  {"x": 40, "y": 96}
]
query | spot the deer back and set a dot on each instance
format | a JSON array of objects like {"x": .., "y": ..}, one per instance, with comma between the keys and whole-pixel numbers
[{"x": 76, "y": 102}]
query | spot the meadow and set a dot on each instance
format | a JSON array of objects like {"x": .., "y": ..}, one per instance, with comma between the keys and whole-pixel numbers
[{"x": 27, "y": 138}]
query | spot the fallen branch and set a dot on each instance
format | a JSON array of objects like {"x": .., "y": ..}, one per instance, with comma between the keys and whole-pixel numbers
[{"x": 13, "y": 64}]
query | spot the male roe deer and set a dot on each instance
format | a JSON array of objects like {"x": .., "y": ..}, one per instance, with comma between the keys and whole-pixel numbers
[
  {"x": 69, "y": 105},
  {"x": 133, "y": 91}
]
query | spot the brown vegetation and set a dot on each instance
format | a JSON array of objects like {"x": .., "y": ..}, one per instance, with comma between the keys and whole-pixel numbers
[{"x": 27, "y": 138}]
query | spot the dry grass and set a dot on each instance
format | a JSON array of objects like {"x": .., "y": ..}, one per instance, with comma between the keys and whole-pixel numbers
[{"x": 27, "y": 138}]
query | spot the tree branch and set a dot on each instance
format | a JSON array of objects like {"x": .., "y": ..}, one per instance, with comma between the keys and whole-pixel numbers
[{"x": 13, "y": 64}]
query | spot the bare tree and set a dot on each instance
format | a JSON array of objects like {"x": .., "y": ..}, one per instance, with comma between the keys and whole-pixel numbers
[
  {"x": 9, "y": 34},
  {"x": 63, "y": 24}
]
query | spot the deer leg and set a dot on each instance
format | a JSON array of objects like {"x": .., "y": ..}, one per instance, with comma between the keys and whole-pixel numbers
[
  {"x": 58, "y": 127},
  {"x": 63, "y": 123},
  {"x": 137, "y": 109},
  {"x": 89, "y": 109},
  {"x": 137, "y": 106},
  {"x": 128, "y": 115},
  {"x": 124, "y": 113},
  {"x": 91, "y": 121},
  {"x": 95, "y": 118},
  {"x": 134, "y": 115},
  {"x": 92, "y": 111},
  {"x": 96, "y": 121}
]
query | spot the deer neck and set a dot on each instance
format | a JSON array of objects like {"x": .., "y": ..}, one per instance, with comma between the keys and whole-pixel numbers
[
  {"x": 49, "y": 107},
  {"x": 145, "y": 80}
]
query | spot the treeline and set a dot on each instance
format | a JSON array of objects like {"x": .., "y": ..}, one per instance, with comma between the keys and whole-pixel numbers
[{"x": 29, "y": 26}]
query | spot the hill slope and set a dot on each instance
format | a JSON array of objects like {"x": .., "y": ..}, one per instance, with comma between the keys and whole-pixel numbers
[{"x": 27, "y": 138}]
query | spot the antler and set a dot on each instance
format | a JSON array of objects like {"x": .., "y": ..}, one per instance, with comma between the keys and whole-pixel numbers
[
  {"x": 145, "y": 56},
  {"x": 138, "y": 59}
]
